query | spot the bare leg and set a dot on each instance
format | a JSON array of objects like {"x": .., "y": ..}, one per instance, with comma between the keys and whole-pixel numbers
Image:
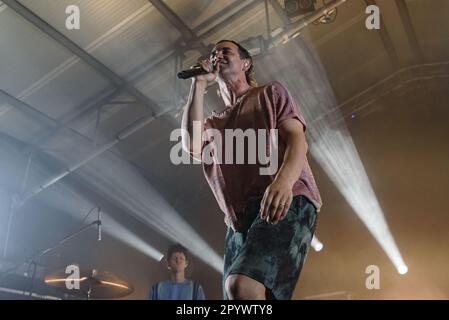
[{"x": 240, "y": 287}]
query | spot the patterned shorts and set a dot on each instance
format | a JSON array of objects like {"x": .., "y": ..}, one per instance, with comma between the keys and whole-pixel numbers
[{"x": 271, "y": 254}]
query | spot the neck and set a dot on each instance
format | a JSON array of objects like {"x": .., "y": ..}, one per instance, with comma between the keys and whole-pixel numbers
[
  {"x": 231, "y": 90},
  {"x": 177, "y": 277}
]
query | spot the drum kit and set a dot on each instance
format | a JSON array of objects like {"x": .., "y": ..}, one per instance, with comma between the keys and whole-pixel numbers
[
  {"x": 89, "y": 284},
  {"x": 81, "y": 284}
]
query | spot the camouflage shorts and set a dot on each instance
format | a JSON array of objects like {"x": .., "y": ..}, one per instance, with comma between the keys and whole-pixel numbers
[{"x": 271, "y": 254}]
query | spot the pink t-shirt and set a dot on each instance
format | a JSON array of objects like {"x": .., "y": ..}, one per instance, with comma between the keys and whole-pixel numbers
[{"x": 234, "y": 185}]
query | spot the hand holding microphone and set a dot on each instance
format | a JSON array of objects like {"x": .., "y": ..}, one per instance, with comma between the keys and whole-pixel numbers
[{"x": 203, "y": 71}]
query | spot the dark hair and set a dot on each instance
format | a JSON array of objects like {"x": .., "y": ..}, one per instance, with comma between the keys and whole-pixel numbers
[
  {"x": 176, "y": 248},
  {"x": 244, "y": 54}
]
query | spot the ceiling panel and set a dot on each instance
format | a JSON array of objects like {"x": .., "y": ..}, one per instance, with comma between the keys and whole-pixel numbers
[{"x": 431, "y": 24}]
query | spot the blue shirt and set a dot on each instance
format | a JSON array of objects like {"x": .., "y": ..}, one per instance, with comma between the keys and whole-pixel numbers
[{"x": 169, "y": 290}]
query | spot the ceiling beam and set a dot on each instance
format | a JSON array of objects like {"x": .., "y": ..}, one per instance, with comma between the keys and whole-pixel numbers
[
  {"x": 175, "y": 20},
  {"x": 120, "y": 136},
  {"x": 189, "y": 37},
  {"x": 97, "y": 65},
  {"x": 5, "y": 97},
  {"x": 386, "y": 39},
  {"x": 280, "y": 12},
  {"x": 104, "y": 97},
  {"x": 218, "y": 16},
  {"x": 167, "y": 54},
  {"x": 80, "y": 53},
  {"x": 404, "y": 13},
  {"x": 226, "y": 22}
]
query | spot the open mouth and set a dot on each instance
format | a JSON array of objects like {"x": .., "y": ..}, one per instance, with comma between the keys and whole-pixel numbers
[{"x": 222, "y": 61}]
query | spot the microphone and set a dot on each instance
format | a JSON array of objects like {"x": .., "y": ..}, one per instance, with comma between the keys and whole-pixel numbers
[
  {"x": 99, "y": 224},
  {"x": 196, "y": 70}
]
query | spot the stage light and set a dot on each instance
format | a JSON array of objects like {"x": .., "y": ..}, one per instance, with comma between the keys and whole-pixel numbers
[
  {"x": 316, "y": 244},
  {"x": 118, "y": 180},
  {"x": 402, "y": 269},
  {"x": 115, "y": 180},
  {"x": 297, "y": 67},
  {"x": 295, "y": 8}
]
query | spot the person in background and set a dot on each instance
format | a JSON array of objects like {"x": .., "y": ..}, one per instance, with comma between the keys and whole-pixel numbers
[{"x": 177, "y": 287}]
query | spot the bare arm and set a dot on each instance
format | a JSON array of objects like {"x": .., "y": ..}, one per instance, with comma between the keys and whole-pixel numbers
[
  {"x": 292, "y": 131},
  {"x": 279, "y": 195},
  {"x": 192, "y": 118},
  {"x": 193, "y": 112}
]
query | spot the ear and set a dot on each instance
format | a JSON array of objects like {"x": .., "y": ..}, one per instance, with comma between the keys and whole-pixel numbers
[{"x": 246, "y": 65}]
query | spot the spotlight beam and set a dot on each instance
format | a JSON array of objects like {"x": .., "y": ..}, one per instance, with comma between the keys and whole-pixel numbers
[{"x": 297, "y": 66}]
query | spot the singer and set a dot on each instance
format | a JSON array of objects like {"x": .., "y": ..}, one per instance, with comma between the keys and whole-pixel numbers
[{"x": 270, "y": 219}]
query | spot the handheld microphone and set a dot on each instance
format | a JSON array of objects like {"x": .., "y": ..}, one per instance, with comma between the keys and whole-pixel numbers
[
  {"x": 99, "y": 224},
  {"x": 196, "y": 70}
]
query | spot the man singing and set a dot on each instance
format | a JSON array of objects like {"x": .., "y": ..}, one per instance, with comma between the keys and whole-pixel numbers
[{"x": 271, "y": 218}]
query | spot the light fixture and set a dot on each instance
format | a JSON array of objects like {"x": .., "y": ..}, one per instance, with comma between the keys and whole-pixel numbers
[
  {"x": 328, "y": 16},
  {"x": 402, "y": 269},
  {"x": 295, "y": 8}
]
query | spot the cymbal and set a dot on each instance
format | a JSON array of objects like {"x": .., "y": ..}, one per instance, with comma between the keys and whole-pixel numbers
[{"x": 90, "y": 283}]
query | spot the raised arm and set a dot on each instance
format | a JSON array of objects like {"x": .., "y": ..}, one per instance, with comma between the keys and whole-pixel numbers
[{"x": 192, "y": 118}]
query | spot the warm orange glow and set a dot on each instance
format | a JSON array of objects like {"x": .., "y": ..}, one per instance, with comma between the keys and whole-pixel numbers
[
  {"x": 115, "y": 284},
  {"x": 64, "y": 279}
]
